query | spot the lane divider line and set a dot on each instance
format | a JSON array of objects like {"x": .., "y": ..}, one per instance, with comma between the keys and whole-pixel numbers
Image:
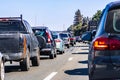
[
  {"x": 71, "y": 58},
  {"x": 49, "y": 77}
]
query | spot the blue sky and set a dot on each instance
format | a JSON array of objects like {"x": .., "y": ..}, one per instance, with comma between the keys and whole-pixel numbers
[{"x": 55, "y": 14}]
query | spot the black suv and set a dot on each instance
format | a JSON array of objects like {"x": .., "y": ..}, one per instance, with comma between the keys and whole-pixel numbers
[
  {"x": 18, "y": 43},
  {"x": 46, "y": 41},
  {"x": 104, "y": 54}
]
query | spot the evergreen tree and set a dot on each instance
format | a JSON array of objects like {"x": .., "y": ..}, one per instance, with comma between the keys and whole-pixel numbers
[{"x": 77, "y": 18}]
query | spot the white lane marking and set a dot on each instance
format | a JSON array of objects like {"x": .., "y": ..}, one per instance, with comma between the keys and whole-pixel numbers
[
  {"x": 71, "y": 58},
  {"x": 50, "y": 76}
]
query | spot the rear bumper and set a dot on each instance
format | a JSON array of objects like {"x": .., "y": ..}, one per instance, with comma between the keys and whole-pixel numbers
[
  {"x": 106, "y": 72},
  {"x": 45, "y": 51},
  {"x": 12, "y": 56}
]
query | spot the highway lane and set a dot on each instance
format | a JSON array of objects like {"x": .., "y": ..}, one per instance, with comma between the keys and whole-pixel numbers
[{"x": 72, "y": 65}]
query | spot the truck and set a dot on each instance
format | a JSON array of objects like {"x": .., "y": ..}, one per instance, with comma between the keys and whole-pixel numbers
[{"x": 18, "y": 43}]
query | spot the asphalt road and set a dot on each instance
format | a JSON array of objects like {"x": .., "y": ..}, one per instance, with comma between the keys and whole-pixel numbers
[{"x": 72, "y": 65}]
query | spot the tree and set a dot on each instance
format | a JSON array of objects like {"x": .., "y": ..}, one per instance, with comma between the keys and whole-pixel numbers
[
  {"x": 96, "y": 16},
  {"x": 77, "y": 18}
]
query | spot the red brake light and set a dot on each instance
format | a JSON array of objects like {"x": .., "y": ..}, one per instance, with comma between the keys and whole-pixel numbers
[
  {"x": 48, "y": 36},
  {"x": 4, "y": 19},
  {"x": 71, "y": 38},
  {"x": 57, "y": 40},
  {"x": 106, "y": 44},
  {"x": 101, "y": 44}
]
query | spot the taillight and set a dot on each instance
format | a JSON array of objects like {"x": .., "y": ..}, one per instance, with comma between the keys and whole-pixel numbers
[
  {"x": 103, "y": 43},
  {"x": 57, "y": 40},
  {"x": 71, "y": 39},
  {"x": 48, "y": 36}
]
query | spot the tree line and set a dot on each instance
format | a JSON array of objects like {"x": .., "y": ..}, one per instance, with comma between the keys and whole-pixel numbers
[{"x": 82, "y": 23}]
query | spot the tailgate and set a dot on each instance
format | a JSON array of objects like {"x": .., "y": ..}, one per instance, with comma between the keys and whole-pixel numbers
[{"x": 9, "y": 42}]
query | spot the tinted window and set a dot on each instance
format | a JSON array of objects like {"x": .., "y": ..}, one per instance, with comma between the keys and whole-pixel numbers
[
  {"x": 113, "y": 21},
  {"x": 55, "y": 36},
  {"x": 40, "y": 32},
  {"x": 11, "y": 26},
  {"x": 63, "y": 35}
]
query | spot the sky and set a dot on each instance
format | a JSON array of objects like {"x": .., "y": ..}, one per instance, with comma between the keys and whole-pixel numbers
[{"x": 58, "y": 15}]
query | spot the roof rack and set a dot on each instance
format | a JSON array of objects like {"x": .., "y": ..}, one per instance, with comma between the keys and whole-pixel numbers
[{"x": 12, "y": 18}]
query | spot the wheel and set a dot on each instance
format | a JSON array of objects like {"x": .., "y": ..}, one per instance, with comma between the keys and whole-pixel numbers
[
  {"x": 25, "y": 64},
  {"x": 2, "y": 70},
  {"x": 61, "y": 52},
  {"x": 55, "y": 55},
  {"x": 68, "y": 46},
  {"x": 35, "y": 60},
  {"x": 72, "y": 44},
  {"x": 51, "y": 56}
]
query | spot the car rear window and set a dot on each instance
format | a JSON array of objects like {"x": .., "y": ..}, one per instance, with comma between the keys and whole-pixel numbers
[
  {"x": 11, "y": 26},
  {"x": 40, "y": 32},
  {"x": 63, "y": 35},
  {"x": 113, "y": 21}
]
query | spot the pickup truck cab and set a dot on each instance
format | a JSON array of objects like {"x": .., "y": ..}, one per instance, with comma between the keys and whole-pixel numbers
[{"x": 18, "y": 43}]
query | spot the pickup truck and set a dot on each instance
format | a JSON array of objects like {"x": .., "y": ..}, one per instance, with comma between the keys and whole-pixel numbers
[{"x": 18, "y": 43}]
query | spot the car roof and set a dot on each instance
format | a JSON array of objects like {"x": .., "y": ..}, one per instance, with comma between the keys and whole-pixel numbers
[
  {"x": 40, "y": 27},
  {"x": 113, "y": 4}
]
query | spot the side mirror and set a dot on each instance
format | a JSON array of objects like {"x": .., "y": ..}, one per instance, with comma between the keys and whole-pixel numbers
[{"x": 87, "y": 36}]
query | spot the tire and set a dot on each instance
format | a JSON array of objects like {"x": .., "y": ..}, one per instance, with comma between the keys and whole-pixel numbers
[
  {"x": 72, "y": 44},
  {"x": 25, "y": 64},
  {"x": 68, "y": 46},
  {"x": 2, "y": 71},
  {"x": 35, "y": 60},
  {"x": 51, "y": 56},
  {"x": 42, "y": 41},
  {"x": 55, "y": 55},
  {"x": 61, "y": 52}
]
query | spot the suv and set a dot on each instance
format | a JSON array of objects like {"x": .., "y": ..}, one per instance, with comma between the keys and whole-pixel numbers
[
  {"x": 66, "y": 38},
  {"x": 104, "y": 53},
  {"x": 18, "y": 43},
  {"x": 46, "y": 41}
]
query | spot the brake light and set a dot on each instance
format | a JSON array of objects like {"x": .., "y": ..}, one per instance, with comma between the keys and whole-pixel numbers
[
  {"x": 71, "y": 39},
  {"x": 103, "y": 43},
  {"x": 57, "y": 40},
  {"x": 48, "y": 36},
  {"x": 4, "y": 19}
]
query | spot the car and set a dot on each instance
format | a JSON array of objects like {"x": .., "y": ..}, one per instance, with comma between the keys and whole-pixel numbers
[
  {"x": 78, "y": 39},
  {"x": 66, "y": 38},
  {"x": 18, "y": 43},
  {"x": 72, "y": 39},
  {"x": 59, "y": 42},
  {"x": 2, "y": 69},
  {"x": 46, "y": 41},
  {"x": 104, "y": 50}
]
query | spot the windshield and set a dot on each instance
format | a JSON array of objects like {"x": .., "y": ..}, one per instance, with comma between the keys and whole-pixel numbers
[
  {"x": 113, "y": 21},
  {"x": 11, "y": 26}
]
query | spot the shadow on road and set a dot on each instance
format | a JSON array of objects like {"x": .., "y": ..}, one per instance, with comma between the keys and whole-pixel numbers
[
  {"x": 12, "y": 69},
  {"x": 81, "y": 53},
  {"x": 79, "y": 71},
  {"x": 44, "y": 58},
  {"x": 83, "y": 62}
]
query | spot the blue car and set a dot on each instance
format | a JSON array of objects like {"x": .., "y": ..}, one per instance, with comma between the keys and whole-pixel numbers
[{"x": 104, "y": 50}]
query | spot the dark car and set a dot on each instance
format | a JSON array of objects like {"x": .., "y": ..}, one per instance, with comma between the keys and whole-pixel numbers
[
  {"x": 46, "y": 41},
  {"x": 72, "y": 39},
  {"x": 104, "y": 54},
  {"x": 18, "y": 43}
]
